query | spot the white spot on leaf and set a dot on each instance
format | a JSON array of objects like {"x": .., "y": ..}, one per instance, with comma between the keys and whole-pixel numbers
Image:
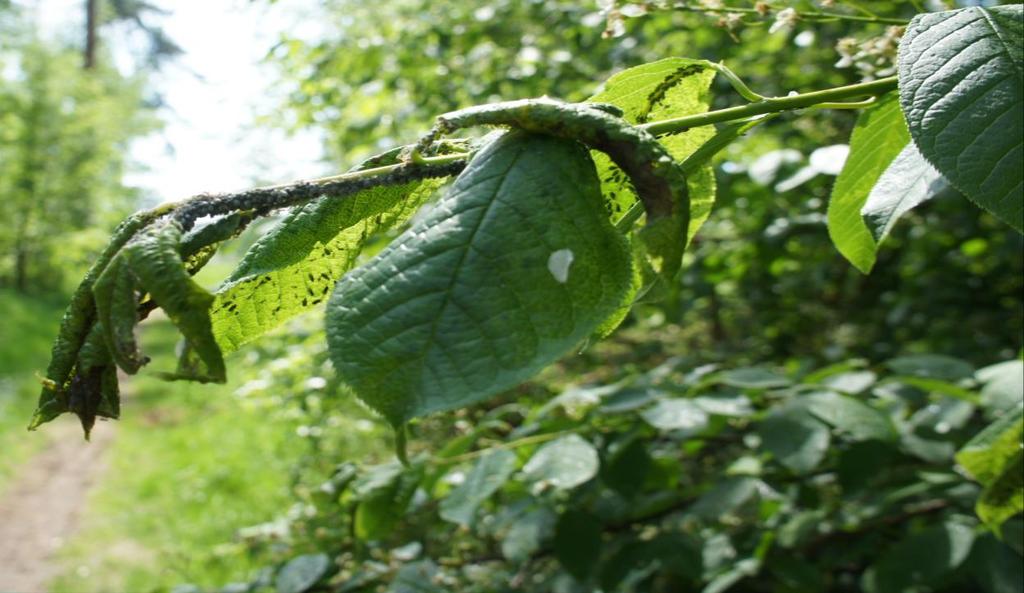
[{"x": 558, "y": 264}]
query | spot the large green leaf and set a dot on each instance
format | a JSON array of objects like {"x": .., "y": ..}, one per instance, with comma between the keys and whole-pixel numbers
[
  {"x": 516, "y": 265},
  {"x": 994, "y": 458},
  {"x": 961, "y": 77},
  {"x": 294, "y": 267},
  {"x": 664, "y": 89},
  {"x": 879, "y": 136},
  {"x": 486, "y": 477}
]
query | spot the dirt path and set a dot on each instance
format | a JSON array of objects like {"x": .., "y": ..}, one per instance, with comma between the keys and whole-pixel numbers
[{"x": 40, "y": 507}]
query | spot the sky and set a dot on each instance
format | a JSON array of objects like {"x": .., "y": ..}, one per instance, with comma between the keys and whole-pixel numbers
[{"x": 213, "y": 93}]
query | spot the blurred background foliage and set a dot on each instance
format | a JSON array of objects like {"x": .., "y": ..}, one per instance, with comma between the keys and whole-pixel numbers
[{"x": 214, "y": 484}]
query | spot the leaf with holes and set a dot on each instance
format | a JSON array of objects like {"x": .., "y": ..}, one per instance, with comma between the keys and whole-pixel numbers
[
  {"x": 476, "y": 298},
  {"x": 961, "y": 75},
  {"x": 294, "y": 267},
  {"x": 664, "y": 89}
]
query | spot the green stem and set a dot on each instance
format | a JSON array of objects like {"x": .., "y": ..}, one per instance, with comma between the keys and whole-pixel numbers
[
  {"x": 772, "y": 105},
  {"x": 819, "y": 16},
  {"x": 681, "y": 124},
  {"x": 530, "y": 440}
]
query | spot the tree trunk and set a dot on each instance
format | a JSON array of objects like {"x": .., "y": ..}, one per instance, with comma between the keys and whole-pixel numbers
[{"x": 91, "y": 20}]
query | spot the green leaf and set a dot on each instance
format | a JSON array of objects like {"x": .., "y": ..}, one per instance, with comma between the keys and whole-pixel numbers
[
  {"x": 851, "y": 416},
  {"x": 961, "y": 77},
  {"x": 117, "y": 313},
  {"x": 796, "y": 439},
  {"x": 850, "y": 382},
  {"x": 292, "y": 268},
  {"x": 301, "y": 573},
  {"x": 664, "y": 89},
  {"x": 563, "y": 463},
  {"x": 526, "y": 535},
  {"x": 154, "y": 259},
  {"x": 908, "y": 181},
  {"x": 487, "y": 476},
  {"x": 676, "y": 414},
  {"x": 383, "y": 495},
  {"x": 878, "y": 138},
  {"x": 725, "y": 497},
  {"x": 920, "y": 559},
  {"x": 996, "y": 566},
  {"x": 1003, "y": 385},
  {"x": 931, "y": 366},
  {"x": 626, "y": 466},
  {"x": 418, "y": 577},
  {"x": 577, "y": 542},
  {"x": 516, "y": 265},
  {"x": 671, "y": 553},
  {"x": 753, "y": 378},
  {"x": 994, "y": 458}
]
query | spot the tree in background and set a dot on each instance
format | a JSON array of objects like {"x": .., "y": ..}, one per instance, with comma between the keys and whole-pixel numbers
[{"x": 64, "y": 137}]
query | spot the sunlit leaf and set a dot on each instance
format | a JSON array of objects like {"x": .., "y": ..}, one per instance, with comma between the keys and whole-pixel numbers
[
  {"x": 563, "y": 463},
  {"x": 878, "y": 138}
]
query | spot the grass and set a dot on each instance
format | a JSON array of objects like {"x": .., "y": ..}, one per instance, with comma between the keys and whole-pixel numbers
[
  {"x": 29, "y": 325},
  {"x": 190, "y": 465}
]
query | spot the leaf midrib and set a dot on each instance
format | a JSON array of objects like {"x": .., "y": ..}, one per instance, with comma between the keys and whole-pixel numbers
[{"x": 446, "y": 298}]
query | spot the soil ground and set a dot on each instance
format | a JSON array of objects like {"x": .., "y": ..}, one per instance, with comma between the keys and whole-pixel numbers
[{"x": 43, "y": 501}]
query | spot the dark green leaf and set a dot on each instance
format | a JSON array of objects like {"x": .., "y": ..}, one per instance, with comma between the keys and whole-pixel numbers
[
  {"x": 796, "y": 439},
  {"x": 961, "y": 77},
  {"x": 577, "y": 542},
  {"x": 851, "y": 416},
  {"x": 753, "y": 378},
  {"x": 487, "y": 476},
  {"x": 418, "y": 577},
  {"x": 724, "y": 497},
  {"x": 383, "y": 495},
  {"x": 516, "y": 265},
  {"x": 920, "y": 559},
  {"x": 301, "y": 573},
  {"x": 996, "y": 566},
  {"x": 626, "y": 466},
  {"x": 932, "y": 366}
]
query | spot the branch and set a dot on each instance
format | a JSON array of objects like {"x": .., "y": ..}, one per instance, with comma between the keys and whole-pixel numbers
[{"x": 815, "y": 16}]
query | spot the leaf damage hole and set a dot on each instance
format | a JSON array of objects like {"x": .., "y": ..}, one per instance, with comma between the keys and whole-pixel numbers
[{"x": 558, "y": 264}]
